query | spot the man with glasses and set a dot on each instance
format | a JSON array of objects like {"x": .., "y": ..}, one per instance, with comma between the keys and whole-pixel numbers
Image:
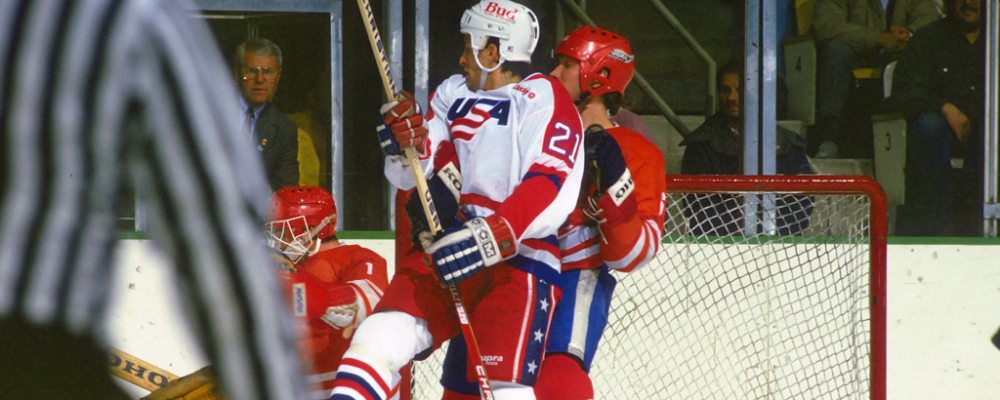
[{"x": 257, "y": 65}]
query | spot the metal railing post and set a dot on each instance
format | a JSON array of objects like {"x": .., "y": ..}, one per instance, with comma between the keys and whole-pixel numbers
[
  {"x": 638, "y": 78},
  {"x": 710, "y": 100},
  {"x": 991, "y": 205}
]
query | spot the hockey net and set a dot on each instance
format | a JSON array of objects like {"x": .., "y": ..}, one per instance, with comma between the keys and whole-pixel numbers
[{"x": 787, "y": 303}]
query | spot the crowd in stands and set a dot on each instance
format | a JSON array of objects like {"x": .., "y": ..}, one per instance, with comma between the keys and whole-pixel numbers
[{"x": 937, "y": 85}]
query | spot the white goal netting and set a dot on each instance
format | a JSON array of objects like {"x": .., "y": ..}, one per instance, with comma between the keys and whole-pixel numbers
[{"x": 787, "y": 303}]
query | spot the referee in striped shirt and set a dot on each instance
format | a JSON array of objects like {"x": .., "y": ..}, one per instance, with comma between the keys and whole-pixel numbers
[{"x": 96, "y": 94}]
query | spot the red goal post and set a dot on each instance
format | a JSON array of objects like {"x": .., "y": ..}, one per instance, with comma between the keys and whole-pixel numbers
[{"x": 765, "y": 287}]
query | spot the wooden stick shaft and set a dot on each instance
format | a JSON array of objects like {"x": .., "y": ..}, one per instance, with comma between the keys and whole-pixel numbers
[
  {"x": 392, "y": 93},
  {"x": 138, "y": 372},
  {"x": 422, "y": 190}
]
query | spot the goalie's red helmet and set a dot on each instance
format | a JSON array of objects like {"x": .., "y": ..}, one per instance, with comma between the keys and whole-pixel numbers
[
  {"x": 294, "y": 213},
  {"x": 597, "y": 49},
  {"x": 312, "y": 202}
]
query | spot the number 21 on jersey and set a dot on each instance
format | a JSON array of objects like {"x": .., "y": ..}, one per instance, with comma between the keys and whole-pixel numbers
[{"x": 562, "y": 142}]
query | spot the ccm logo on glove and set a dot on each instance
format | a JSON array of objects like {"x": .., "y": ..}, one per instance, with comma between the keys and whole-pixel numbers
[
  {"x": 622, "y": 188},
  {"x": 486, "y": 241}
]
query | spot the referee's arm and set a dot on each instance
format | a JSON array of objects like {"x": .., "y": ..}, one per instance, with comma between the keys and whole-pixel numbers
[
  {"x": 207, "y": 190},
  {"x": 94, "y": 91}
]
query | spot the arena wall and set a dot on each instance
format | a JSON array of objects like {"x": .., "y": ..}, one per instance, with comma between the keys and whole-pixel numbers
[{"x": 943, "y": 307}]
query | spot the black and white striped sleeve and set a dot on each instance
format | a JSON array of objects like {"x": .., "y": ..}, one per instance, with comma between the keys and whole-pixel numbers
[{"x": 96, "y": 93}]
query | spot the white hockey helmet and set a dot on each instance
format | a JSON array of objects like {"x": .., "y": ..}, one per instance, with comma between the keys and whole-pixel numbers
[{"x": 515, "y": 25}]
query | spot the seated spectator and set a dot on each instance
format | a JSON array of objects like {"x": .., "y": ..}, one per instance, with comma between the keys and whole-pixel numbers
[
  {"x": 938, "y": 85},
  {"x": 853, "y": 34},
  {"x": 714, "y": 149}
]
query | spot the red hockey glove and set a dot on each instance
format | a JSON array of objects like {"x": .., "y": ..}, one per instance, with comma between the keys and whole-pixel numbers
[
  {"x": 401, "y": 125},
  {"x": 315, "y": 300},
  {"x": 613, "y": 201}
]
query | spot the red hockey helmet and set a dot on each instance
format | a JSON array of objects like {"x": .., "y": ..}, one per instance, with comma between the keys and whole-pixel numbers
[
  {"x": 597, "y": 49},
  {"x": 300, "y": 216}
]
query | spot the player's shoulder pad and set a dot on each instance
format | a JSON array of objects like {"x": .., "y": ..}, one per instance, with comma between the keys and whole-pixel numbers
[
  {"x": 634, "y": 142},
  {"x": 449, "y": 90},
  {"x": 451, "y": 85},
  {"x": 624, "y": 134},
  {"x": 546, "y": 89},
  {"x": 643, "y": 158},
  {"x": 359, "y": 252},
  {"x": 539, "y": 83}
]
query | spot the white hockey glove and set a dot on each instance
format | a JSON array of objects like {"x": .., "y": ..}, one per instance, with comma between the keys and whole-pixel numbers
[
  {"x": 341, "y": 316},
  {"x": 462, "y": 252}
]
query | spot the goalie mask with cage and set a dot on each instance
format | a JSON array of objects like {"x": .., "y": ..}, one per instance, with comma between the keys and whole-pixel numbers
[
  {"x": 300, "y": 217},
  {"x": 597, "y": 49},
  {"x": 513, "y": 24}
]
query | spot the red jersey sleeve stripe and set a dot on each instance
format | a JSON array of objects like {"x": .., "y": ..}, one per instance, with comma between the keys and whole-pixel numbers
[
  {"x": 649, "y": 249},
  {"x": 542, "y": 245},
  {"x": 555, "y": 175},
  {"x": 479, "y": 201},
  {"x": 531, "y": 198}
]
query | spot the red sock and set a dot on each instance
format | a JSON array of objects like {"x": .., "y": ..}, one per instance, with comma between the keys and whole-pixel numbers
[
  {"x": 562, "y": 378},
  {"x": 449, "y": 395}
]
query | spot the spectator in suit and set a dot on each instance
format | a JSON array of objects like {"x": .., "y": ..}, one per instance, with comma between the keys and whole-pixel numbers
[
  {"x": 257, "y": 66},
  {"x": 714, "y": 149},
  {"x": 853, "y": 34}
]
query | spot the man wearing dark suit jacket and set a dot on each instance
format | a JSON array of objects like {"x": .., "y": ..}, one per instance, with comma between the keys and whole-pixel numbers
[{"x": 257, "y": 65}]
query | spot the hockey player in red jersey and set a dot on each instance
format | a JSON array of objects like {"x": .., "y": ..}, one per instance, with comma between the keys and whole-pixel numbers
[
  {"x": 517, "y": 140},
  {"x": 616, "y": 225},
  {"x": 333, "y": 286}
]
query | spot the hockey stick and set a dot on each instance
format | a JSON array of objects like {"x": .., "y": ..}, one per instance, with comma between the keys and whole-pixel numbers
[
  {"x": 199, "y": 385},
  {"x": 393, "y": 93},
  {"x": 138, "y": 372},
  {"x": 422, "y": 190}
]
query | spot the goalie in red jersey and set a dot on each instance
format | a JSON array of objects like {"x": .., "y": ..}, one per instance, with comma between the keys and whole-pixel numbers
[
  {"x": 616, "y": 225},
  {"x": 333, "y": 285}
]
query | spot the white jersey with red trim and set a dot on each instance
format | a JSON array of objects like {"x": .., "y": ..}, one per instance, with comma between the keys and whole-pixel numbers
[{"x": 520, "y": 151}]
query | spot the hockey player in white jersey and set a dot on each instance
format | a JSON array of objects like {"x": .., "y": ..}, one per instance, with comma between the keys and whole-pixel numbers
[
  {"x": 616, "y": 225},
  {"x": 509, "y": 147}
]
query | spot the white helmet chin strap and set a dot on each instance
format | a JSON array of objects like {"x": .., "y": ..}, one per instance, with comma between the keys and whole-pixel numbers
[
  {"x": 485, "y": 71},
  {"x": 315, "y": 249},
  {"x": 315, "y": 231}
]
